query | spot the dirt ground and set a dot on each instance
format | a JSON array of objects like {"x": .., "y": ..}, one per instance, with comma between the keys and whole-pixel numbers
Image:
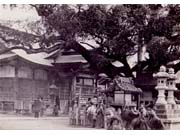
[{"x": 13, "y": 122}]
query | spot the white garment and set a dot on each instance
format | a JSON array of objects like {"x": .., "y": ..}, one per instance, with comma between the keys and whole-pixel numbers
[
  {"x": 110, "y": 111},
  {"x": 92, "y": 109}
]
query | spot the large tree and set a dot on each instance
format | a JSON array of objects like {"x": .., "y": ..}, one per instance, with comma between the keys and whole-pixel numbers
[{"x": 120, "y": 31}]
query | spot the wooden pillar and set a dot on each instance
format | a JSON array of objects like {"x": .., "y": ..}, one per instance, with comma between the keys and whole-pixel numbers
[
  {"x": 33, "y": 91},
  {"x": 16, "y": 87},
  {"x": 73, "y": 87},
  {"x": 138, "y": 100},
  {"x": 96, "y": 84},
  {"x": 124, "y": 99}
]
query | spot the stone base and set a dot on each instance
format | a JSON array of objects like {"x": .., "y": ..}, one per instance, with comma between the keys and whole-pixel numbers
[
  {"x": 172, "y": 124},
  {"x": 170, "y": 115},
  {"x": 163, "y": 111},
  {"x": 167, "y": 111}
]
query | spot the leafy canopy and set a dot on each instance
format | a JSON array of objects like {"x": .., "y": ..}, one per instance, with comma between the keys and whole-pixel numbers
[{"x": 119, "y": 31}]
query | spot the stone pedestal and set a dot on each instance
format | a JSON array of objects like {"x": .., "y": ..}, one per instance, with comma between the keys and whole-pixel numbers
[
  {"x": 170, "y": 115},
  {"x": 161, "y": 98},
  {"x": 170, "y": 98},
  {"x": 168, "y": 111},
  {"x": 165, "y": 111}
]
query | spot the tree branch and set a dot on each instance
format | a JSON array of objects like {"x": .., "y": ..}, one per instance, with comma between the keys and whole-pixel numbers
[
  {"x": 30, "y": 51},
  {"x": 88, "y": 44}
]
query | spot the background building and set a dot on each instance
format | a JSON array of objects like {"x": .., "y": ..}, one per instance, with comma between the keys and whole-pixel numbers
[{"x": 56, "y": 77}]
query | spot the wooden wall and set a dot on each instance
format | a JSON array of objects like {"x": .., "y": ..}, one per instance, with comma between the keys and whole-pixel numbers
[
  {"x": 27, "y": 81},
  {"x": 21, "y": 82},
  {"x": 6, "y": 89},
  {"x": 31, "y": 82}
]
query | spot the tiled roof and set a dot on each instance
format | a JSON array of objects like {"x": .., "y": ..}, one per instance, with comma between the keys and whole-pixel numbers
[
  {"x": 38, "y": 58},
  {"x": 4, "y": 56},
  {"x": 23, "y": 37},
  {"x": 127, "y": 87},
  {"x": 122, "y": 84}
]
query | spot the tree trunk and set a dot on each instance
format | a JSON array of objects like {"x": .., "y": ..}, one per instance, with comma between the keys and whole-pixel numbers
[{"x": 90, "y": 56}]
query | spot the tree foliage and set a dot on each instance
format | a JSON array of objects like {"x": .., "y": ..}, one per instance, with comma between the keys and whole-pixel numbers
[{"x": 119, "y": 31}]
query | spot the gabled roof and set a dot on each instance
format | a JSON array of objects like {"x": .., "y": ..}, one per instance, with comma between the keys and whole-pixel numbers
[
  {"x": 38, "y": 58},
  {"x": 34, "y": 58},
  {"x": 23, "y": 37},
  {"x": 124, "y": 84},
  {"x": 4, "y": 56},
  {"x": 127, "y": 87}
]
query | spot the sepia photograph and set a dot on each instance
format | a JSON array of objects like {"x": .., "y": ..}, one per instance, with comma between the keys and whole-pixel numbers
[{"x": 89, "y": 66}]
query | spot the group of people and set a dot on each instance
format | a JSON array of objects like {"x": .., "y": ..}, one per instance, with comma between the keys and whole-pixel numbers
[
  {"x": 39, "y": 108},
  {"x": 89, "y": 114},
  {"x": 95, "y": 112},
  {"x": 100, "y": 115},
  {"x": 145, "y": 118}
]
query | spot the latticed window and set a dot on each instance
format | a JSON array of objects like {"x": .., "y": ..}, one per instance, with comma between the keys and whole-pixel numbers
[
  {"x": 88, "y": 82},
  {"x": 7, "y": 71},
  {"x": 40, "y": 74},
  {"x": 79, "y": 80},
  {"x": 25, "y": 72},
  {"x": 85, "y": 81}
]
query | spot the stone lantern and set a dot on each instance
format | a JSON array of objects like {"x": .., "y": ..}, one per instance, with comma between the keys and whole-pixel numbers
[
  {"x": 161, "y": 77},
  {"x": 171, "y": 84},
  {"x": 53, "y": 92}
]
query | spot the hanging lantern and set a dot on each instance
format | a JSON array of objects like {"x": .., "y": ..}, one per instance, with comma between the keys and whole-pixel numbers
[{"x": 53, "y": 89}]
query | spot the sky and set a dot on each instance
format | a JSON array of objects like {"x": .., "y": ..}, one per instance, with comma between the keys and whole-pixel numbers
[
  {"x": 18, "y": 13},
  {"x": 20, "y": 16}
]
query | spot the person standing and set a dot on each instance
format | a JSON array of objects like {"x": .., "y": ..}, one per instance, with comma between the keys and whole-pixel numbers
[
  {"x": 42, "y": 106},
  {"x": 109, "y": 113},
  {"x": 115, "y": 123},
  {"x": 154, "y": 121},
  {"x": 56, "y": 110},
  {"x": 129, "y": 113},
  {"x": 37, "y": 108},
  {"x": 100, "y": 115},
  {"x": 76, "y": 112},
  {"x": 88, "y": 103},
  {"x": 87, "y": 118},
  {"x": 91, "y": 112}
]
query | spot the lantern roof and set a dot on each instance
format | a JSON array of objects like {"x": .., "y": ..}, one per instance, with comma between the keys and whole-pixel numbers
[
  {"x": 162, "y": 73},
  {"x": 53, "y": 86},
  {"x": 172, "y": 75}
]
